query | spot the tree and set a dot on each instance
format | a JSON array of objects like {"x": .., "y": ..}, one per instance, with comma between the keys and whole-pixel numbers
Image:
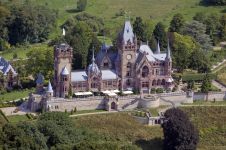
[
  {"x": 214, "y": 2},
  {"x": 148, "y": 30},
  {"x": 81, "y": 5},
  {"x": 160, "y": 35},
  {"x": 222, "y": 29},
  {"x": 179, "y": 132},
  {"x": 42, "y": 60},
  {"x": 138, "y": 28},
  {"x": 197, "y": 30},
  {"x": 182, "y": 47},
  {"x": 30, "y": 23},
  {"x": 206, "y": 84},
  {"x": 177, "y": 23},
  {"x": 199, "y": 61}
]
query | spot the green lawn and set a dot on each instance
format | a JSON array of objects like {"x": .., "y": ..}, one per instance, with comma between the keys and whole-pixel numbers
[
  {"x": 14, "y": 95},
  {"x": 17, "y": 118},
  {"x": 23, "y": 50}
]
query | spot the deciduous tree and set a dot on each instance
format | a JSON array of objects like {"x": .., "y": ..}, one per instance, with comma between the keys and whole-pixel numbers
[{"x": 179, "y": 132}]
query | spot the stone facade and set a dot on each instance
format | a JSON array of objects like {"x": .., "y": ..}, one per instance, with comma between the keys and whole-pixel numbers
[{"x": 131, "y": 67}]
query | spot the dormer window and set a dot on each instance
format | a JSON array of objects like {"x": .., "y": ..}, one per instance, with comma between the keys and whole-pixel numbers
[
  {"x": 106, "y": 64},
  {"x": 127, "y": 30}
]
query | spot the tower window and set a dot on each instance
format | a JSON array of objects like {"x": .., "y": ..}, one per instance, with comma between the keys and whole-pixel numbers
[
  {"x": 145, "y": 71},
  {"x": 128, "y": 82}
]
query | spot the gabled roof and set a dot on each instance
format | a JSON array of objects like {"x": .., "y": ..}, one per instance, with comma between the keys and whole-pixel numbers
[
  {"x": 5, "y": 67},
  {"x": 146, "y": 50}
]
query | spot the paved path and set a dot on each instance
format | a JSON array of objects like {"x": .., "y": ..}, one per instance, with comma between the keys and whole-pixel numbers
[
  {"x": 95, "y": 113},
  {"x": 219, "y": 85},
  {"x": 216, "y": 66}
]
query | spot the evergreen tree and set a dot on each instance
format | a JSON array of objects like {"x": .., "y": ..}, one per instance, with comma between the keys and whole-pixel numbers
[
  {"x": 177, "y": 23},
  {"x": 160, "y": 34},
  {"x": 138, "y": 28},
  {"x": 179, "y": 132},
  {"x": 206, "y": 84}
]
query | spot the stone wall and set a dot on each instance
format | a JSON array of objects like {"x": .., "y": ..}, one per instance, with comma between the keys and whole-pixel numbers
[{"x": 218, "y": 96}]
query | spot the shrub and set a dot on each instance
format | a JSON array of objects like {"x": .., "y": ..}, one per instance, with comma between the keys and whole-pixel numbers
[
  {"x": 153, "y": 90},
  {"x": 159, "y": 90}
]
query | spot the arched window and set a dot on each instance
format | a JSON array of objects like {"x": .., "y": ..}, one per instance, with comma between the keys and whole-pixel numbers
[
  {"x": 128, "y": 82},
  {"x": 159, "y": 82},
  {"x": 145, "y": 71},
  {"x": 153, "y": 82},
  {"x": 129, "y": 65},
  {"x": 163, "y": 82}
]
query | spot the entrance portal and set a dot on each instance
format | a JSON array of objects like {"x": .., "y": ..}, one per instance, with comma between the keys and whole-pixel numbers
[{"x": 113, "y": 106}]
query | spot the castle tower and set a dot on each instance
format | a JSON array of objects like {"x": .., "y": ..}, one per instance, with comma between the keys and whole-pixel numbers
[
  {"x": 127, "y": 46},
  {"x": 49, "y": 92},
  {"x": 168, "y": 61},
  {"x": 63, "y": 55}
]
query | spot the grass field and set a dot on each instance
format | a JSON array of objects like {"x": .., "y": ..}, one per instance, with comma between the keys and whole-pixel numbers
[
  {"x": 14, "y": 95},
  {"x": 161, "y": 10},
  {"x": 17, "y": 118},
  {"x": 122, "y": 127},
  {"x": 22, "y": 51},
  {"x": 211, "y": 122}
]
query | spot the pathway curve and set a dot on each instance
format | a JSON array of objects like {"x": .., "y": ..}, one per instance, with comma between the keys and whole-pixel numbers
[{"x": 219, "y": 85}]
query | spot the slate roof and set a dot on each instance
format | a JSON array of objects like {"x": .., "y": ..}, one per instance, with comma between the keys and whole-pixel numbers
[
  {"x": 64, "y": 71},
  {"x": 78, "y": 76},
  {"x": 50, "y": 88},
  {"x": 127, "y": 33},
  {"x": 40, "y": 79},
  {"x": 5, "y": 67},
  {"x": 108, "y": 75}
]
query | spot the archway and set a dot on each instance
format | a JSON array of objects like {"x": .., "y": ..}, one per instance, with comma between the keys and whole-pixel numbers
[{"x": 113, "y": 106}]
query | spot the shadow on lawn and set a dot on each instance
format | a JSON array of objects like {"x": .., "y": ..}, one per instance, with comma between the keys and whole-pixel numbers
[{"x": 153, "y": 144}]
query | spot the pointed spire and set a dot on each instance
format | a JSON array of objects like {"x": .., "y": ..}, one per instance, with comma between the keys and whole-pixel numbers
[
  {"x": 49, "y": 88},
  {"x": 65, "y": 71},
  {"x": 158, "y": 51},
  {"x": 168, "y": 55},
  {"x": 93, "y": 59},
  {"x": 63, "y": 32}
]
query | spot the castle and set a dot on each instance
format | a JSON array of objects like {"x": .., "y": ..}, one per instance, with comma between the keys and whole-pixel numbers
[{"x": 131, "y": 67}]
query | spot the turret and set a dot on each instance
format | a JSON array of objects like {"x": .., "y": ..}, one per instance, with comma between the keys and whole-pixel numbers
[
  {"x": 49, "y": 91},
  {"x": 158, "y": 51}
]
